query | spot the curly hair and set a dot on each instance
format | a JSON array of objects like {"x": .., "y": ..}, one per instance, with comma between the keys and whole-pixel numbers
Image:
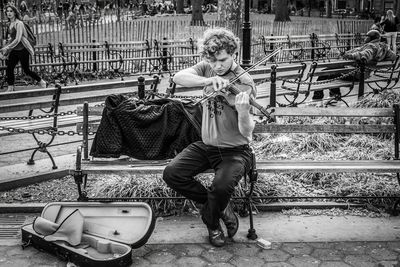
[
  {"x": 15, "y": 10},
  {"x": 215, "y": 40}
]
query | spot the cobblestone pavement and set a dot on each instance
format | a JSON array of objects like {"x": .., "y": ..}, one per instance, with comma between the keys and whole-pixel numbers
[{"x": 335, "y": 254}]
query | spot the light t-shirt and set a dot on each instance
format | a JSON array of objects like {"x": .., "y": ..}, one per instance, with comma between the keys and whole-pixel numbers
[{"x": 220, "y": 120}]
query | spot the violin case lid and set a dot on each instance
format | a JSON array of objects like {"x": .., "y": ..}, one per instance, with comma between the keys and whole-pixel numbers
[{"x": 110, "y": 231}]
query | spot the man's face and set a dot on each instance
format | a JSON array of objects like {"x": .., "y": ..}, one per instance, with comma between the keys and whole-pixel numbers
[{"x": 221, "y": 63}]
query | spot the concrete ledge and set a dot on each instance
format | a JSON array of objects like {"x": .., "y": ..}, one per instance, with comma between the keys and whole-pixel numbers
[
  {"x": 279, "y": 206},
  {"x": 22, "y": 208},
  {"x": 22, "y": 174}
]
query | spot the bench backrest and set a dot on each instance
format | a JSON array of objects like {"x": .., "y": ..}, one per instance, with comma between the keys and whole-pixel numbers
[{"x": 349, "y": 124}]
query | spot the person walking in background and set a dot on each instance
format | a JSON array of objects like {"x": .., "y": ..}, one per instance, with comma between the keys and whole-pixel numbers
[
  {"x": 226, "y": 131},
  {"x": 17, "y": 49},
  {"x": 390, "y": 28}
]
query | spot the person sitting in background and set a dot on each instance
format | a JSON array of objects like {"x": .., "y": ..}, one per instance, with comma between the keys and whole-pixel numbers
[{"x": 371, "y": 52}]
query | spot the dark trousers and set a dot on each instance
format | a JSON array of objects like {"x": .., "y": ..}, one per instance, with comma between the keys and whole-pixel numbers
[
  {"x": 229, "y": 164},
  {"x": 13, "y": 59}
]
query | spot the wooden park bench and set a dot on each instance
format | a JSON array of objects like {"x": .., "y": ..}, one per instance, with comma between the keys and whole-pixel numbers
[
  {"x": 347, "y": 123},
  {"x": 94, "y": 59},
  {"x": 384, "y": 76},
  {"x": 343, "y": 75},
  {"x": 312, "y": 47},
  {"x": 42, "y": 108},
  {"x": 88, "y": 165},
  {"x": 133, "y": 54},
  {"x": 321, "y": 76}
]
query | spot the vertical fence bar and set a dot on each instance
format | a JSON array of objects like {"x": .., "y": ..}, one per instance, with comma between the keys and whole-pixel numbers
[
  {"x": 94, "y": 56},
  {"x": 165, "y": 55},
  {"x": 362, "y": 75}
]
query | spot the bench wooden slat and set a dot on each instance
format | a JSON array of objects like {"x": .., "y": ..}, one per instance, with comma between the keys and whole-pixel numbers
[
  {"x": 92, "y": 127},
  {"x": 263, "y": 166},
  {"x": 295, "y": 128},
  {"x": 336, "y": 64},
  {"x": 93, "y": 110},
  {"x": 360, "y": 166},
  {"x": 334, "y": 112},
  {"x": 325, "y": 72},
  {"x": 323, "y": 128}
]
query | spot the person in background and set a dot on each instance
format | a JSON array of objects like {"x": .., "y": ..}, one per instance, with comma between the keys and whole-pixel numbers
[
  {"x": 18, "y": 49},
  {"x": 371, "y": 52},
  {"x": 226, "y": 131},
  {"x": 390, "y": 28},
  {"x": 377, "y": 26}
]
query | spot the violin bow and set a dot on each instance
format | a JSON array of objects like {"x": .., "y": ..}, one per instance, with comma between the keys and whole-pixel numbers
[{"x": 255, "y": 65}]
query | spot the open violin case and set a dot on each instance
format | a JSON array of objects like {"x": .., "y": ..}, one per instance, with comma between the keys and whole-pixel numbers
[{"x": 91, "y": 233}]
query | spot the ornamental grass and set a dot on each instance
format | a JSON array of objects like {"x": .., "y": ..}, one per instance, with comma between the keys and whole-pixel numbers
[{"x": 290, "y": 147}]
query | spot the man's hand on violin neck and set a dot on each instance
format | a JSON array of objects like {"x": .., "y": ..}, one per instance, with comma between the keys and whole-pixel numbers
[{"x": 217, "y": 83}]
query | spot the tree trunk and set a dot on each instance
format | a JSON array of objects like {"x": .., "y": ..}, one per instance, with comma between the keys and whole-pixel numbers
[
  {"x": 229, "y": 10},
  {"x": 230, "y": 14},
  {"x": 328, "y": 6},
  {"x": 397, "y": 10},
  {"x": 197, "y": 13},
  {"x": 282, "y": 11},
  {"x": 179, "y": 6}
]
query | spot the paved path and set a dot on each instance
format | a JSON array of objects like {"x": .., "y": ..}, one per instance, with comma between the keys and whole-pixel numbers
[
  {"x": 326, "y": 254},
  {"x": 296, "y": 241}
]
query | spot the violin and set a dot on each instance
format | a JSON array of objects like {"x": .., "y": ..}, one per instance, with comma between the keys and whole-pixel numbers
[{"x": 235, "y": 84}]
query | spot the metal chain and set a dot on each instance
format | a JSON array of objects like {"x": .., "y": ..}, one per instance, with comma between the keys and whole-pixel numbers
[
  {"x": 38, "y": 116},
  {"x": 163, "y": 95},
  {"x": 42, "y": 131},
  {"x": 312, "y": 83},
  {"x": 351, "y": 73}
]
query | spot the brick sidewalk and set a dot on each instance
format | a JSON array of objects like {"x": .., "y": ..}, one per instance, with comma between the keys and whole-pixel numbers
[{"x": 335, "y": 254}]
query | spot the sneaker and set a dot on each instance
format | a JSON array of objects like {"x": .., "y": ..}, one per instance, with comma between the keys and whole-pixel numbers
[
  {"x": 216, "y": 237},
  {"x": 43, "y": 84},
  {"x": 230, "y": 220}
]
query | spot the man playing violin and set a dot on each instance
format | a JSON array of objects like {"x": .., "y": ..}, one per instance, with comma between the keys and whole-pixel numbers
[{"x": 227, "y": 127}]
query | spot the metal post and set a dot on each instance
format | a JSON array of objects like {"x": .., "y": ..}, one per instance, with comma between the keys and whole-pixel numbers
[
  {"x": 312, "y": 37},
  {"x": 85, "y": 131},
  {"x": 362, "y": 76},
  {"x": 272, "y": 95},
  {"x": 246, "y": 30},
  {"x": 165, "y": 55},
  {"x": 141, "y": 88}
]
